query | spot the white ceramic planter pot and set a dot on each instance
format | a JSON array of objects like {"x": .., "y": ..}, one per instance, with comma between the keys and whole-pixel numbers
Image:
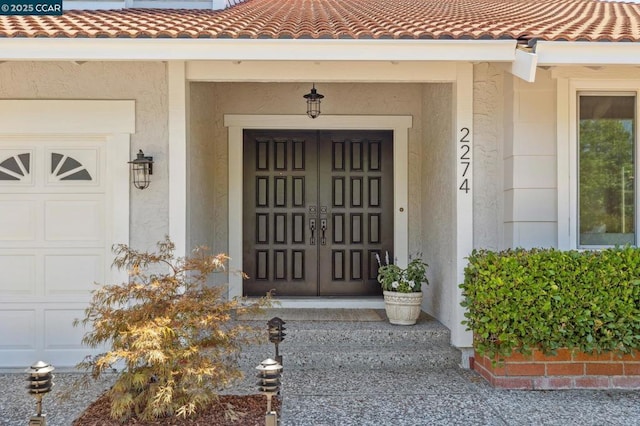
[{"x": 402, "y": 308}]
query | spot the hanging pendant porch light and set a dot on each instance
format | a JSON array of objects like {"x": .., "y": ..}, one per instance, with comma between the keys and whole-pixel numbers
[{"x": 313, "y": 102}]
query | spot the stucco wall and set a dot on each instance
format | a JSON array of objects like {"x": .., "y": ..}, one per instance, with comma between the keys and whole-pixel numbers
[
  {"x": 437, "y": 197},
  {"x": 145, "y": 83},
  {"x": 530, "y": 163},
  {"x": 209, "y": 103},
  {"x": 205, "y": 224},
  {"x": 515, "y": 195},
  {"x": 488, "y": 136},
  {"x": 431, "y": 168}
]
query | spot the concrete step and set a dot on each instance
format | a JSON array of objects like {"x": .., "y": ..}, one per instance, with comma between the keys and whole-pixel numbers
[
  {"x": 337, "y": 333},
  {"x": 355, "y": 345},
  {"x": 358, "y": 358}
]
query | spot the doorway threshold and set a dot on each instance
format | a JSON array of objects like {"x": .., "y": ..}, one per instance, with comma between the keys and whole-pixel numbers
[{"x": 329, "y": 302}]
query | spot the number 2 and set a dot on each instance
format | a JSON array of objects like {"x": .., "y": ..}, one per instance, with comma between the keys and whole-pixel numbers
[
  {"x": 466, "y": 132},
  {"x": 465, "y": 154}
]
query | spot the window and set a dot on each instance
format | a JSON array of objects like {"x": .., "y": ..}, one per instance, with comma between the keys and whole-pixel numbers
[{"x": 606, "y": 169}]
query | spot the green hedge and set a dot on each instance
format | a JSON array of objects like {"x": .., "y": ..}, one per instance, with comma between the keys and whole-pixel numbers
[{"x": 549, "y": 299}]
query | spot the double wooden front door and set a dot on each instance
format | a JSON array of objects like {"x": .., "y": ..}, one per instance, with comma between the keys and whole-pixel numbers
[{"x": 318, "y": 207}]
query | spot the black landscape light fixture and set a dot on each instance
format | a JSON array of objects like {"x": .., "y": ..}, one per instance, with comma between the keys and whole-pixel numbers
[
  {"x": 40, "y": 382},
  {"x": 141, "y": 169},
  {"x": 313, "y": 102},
  {"x": 276, "y": 334},
  {"x": 269, "y": 385}
]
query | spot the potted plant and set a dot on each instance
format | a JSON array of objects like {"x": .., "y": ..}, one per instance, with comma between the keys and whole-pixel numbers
[{"x": 402, "y": 289}]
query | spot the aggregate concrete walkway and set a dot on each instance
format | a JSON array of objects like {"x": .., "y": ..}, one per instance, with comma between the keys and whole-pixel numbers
[
  {"x": 363, "y": 372},
  {"x": 395, "y": 398},
  {"x": 443, "y": 397}
]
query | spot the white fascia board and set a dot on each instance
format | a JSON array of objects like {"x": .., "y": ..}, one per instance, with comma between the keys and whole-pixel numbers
[
  {"x": 587, "y": 53},
  {"x": 322, "y": 71},
  {"x": 79, "y": 49},
  {"x": 525, "y": 65},
  {"x": 143, "y": 4},
  {"x": 93, "y": 5}
]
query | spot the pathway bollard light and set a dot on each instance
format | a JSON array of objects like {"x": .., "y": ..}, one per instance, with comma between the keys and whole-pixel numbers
[
  {"x": 276, "y": 335},
  {"x": 40, "y": 382},
  {"x": 269, "y": 385}
]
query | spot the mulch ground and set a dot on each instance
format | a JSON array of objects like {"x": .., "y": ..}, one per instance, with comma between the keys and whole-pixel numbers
[{"x": 249, "y": 408}]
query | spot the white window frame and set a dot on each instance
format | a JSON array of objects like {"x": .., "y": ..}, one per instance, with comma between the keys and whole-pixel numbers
[{"x": 567, "y": 150}]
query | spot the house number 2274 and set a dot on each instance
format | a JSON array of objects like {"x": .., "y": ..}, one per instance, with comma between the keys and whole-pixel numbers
[{"x": 464, "y": 158}]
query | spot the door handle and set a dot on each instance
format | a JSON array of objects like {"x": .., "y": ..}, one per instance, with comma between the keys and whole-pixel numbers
[
  {"x": 323, "y": 228},
  {"x": 312, "y": 227}
]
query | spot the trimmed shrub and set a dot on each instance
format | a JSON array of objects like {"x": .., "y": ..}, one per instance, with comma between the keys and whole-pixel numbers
[{"x": 549, "y": 299}]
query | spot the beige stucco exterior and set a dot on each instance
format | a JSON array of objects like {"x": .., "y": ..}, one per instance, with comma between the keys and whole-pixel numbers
[
  {"x": 143, "y": 82},
  {"x": 208, "y": 137},
  {"x": 516, "y": 166},
  {"x": 530, "y": 164},
  {"x": 515, "y": 198},
  {"x": 437, "y": 199},
  {"x": 431, "y": 177}
]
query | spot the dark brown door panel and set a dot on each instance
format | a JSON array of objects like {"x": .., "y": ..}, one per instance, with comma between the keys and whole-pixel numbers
[{"x": 318, "y": 206}]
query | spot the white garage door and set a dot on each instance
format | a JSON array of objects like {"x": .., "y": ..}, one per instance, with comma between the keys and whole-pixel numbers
[{"x": 55, "y": 244}]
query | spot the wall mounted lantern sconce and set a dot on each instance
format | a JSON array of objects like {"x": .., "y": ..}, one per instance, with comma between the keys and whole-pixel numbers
[
  {"x": 141, "y": 169},
  {"x": 313, "y": 102}
]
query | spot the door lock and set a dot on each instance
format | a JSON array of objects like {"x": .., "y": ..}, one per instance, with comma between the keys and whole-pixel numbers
[
  {"x": 312, "y": 227},
  {"x": 323, "y": 228}
]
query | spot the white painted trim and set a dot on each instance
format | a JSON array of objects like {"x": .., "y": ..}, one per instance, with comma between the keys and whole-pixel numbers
[
  {"x": 118, "y": 191},
  {"x": 67, "y": 116},
  {"x": 93, "y": 5},
  {"x": 324, "y": 122},
  {"x": 463, "y": 113},
  {"x": 401, "y": 193},
  {"x": 237, "y": 123},
  {"x": 330, "y": 303},
  {"x": 567, "y": 148},
  {"x": 563, "y": 118},
  {"x": 177, "y": 156},
  {"x": 235, "y": 206},
  {"x": 525, "y": 65},
  {"x": 587, "y": 53},
  {"x": 177, "y": 4},
  {"x": 148, "y": 4},
  {"x": 256, "y": 49},
  {"x": 325, "y": 71}
]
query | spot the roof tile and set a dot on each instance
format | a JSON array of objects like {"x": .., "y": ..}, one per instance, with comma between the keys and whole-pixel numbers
[{"x": 570, "y": 20}]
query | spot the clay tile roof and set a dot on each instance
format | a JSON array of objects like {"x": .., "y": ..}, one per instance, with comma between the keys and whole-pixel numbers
[{"x": 562, "y": 20}]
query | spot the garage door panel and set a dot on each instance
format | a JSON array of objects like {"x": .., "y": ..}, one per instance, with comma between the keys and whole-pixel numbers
[
  {"x": 59, "y": 332},
  {"x": 18, "y": 275},
  {"x": 19, "y": 220},
  {"x": 18, "y": 329},
  {"x": 79, "y": 220},
  {"x": 58, "y": 220},
  {"x": 73, "y": 274}
]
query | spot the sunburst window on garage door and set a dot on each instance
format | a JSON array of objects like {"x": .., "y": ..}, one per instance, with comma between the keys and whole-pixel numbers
[
  {"x": 15, "y": 167},
  {"x": 64, "y": 167}
]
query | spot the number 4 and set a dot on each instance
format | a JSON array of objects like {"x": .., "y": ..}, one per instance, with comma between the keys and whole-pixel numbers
[{"x": 464, "y": 186}]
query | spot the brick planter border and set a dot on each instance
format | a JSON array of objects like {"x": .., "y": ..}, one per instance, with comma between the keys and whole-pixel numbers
[{"x": 566, "y": 370}]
